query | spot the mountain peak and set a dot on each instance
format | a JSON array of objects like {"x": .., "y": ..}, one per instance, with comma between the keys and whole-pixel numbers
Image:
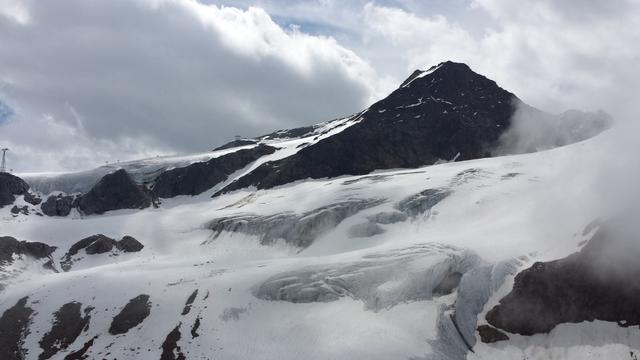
[{"x": 446, "y": 68}]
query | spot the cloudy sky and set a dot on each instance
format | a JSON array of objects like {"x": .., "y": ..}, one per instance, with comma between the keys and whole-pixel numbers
[{"x": 88, "y": 81}]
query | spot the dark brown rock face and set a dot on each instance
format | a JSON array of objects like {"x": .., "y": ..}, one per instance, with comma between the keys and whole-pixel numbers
[
  {"x": 132, "y": 315},
  {"x": 114, "y": 191},
  {"x": 199, "y": 177},
  {"x": 490, "y": 334},
  {"x": 598, "y": 283},
  {"x": 14, "y": 324},
  {"x": 10, "y": 186}
]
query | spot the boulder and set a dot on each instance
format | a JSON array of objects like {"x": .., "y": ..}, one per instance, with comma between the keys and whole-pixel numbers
[
  {"x": 58, "y": 205},
  {"x": 114, "y": 191},
  {"x": 129, "y": 244},
  {"x": 490, "y": 334}
]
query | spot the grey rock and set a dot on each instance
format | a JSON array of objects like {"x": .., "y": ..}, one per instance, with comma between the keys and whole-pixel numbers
[
  {"x": 114, "y": 191},
  {"x": 131, "y": 315},
  {"x": 10, "y": 187},
  {"x": 129, "y": 244},
  {"x": 59, "y": 205}
]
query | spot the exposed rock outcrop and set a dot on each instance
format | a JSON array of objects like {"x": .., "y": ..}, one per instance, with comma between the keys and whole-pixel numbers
[
  {"x": 58, "y": 205},
  {"x": 114, "y": 191},
  {"x": 132, "y": 315},
  {"x": 597, "y": 283},
  {"x": 14, "y": 327},
  {"x": 10, "y": 187},
  {"x": 170, "y": 348},
  {"x": 68, "y": 323},
  {"x": 10, "y": 246},
  {"x": 99, "y": 244},
  {"x": 199, "y": 177}
]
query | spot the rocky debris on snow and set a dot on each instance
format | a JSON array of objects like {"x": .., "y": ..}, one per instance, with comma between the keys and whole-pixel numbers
[
  {"x": 199, "y": 177},
  {"x": 489, "y": 334},
  {"x": 297, "y": 230},
  {"x": 190, "y": 300},
  {"x": 10, "y": 187},
  {"x": 80, "y": 353},
  {"x": 170, "y": 348},
  {"x": 68, "y": 323},
  {"x": 131, "y": 315},
  {"x": 597, "y": 283},
  {"x": 113, "y": 192},
  {"x": 14, "y": 327},
  {"x": 58, "y": 205},
  {"x": 99, "y": 244},
  {"x": 195, "y": 327},
  {"x": 380, "y": 280}
]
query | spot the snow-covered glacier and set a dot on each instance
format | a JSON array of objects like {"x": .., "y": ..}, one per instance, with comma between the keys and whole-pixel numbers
[{"x": 394, "y": 264}]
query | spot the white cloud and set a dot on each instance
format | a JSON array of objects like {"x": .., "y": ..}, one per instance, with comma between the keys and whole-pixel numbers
[{"x": 149, "y": 76}]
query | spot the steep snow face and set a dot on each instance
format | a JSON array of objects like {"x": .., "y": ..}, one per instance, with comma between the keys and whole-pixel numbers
[{"x": 406, "y": 272}]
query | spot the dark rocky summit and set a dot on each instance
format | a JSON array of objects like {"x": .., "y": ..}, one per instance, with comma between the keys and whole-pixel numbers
[
  {"x": 67, "y": 325},
  {"x": 438, "y": 115},
  {"x": 99, "y": 244},
  {"x": 132, "y": 315},
  {"x": 202, "y": 176},
  {"x": 114, "y": 191},
  {"x": 58, "y": 205},
  {"x": 598, "y": 283},
  {"x": 10, "y": 187},
  {"x": 444, "y": 113}
]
